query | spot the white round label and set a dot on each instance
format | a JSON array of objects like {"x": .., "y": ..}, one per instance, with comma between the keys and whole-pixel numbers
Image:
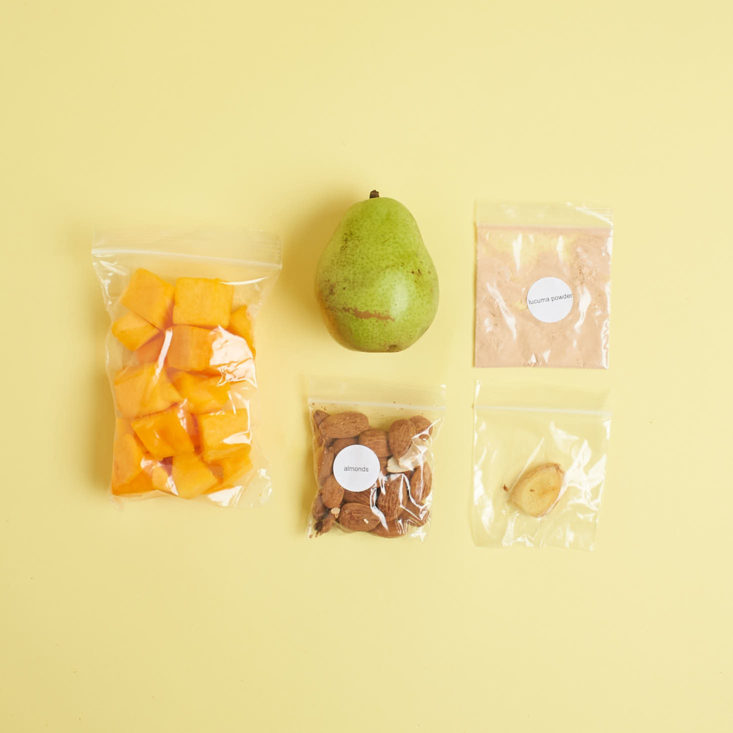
[
  {"x": 356, "y": 467},
  {"x": 550, "y": 299}
]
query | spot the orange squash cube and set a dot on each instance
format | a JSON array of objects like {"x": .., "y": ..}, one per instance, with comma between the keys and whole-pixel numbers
[
  {"x": 201, "y": 394},
  {"x": 161, "y": 478},
  {"x": 239, "y": 396},
  {"x": 141, "y": 484},
  {"x": 214, "y": 455},
  {"x": 154, "y": 350},
  {"x": 150, "y": 297},
  {"x": 151, "y": 478},
  {"x": 202, "y": 302},
  {"x": 223, "y": 432},
  {"x": 190, "y": 349},
  {"x": 191, "y": 476},
  {"x": 212, "y": 351},
  {"x": 235, "y": 464},
  {"x": 192, "y": 429},
  {"x": 132, "y": 331},
  {"x": 127, "y": 454},
  {"x": 143, "y": 389},
  {"x": 240, "y": 323},
  {"x": 164, "y": 434}
]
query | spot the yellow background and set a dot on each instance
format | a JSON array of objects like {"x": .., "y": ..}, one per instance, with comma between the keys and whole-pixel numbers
[{"x": 167, "y": 616}]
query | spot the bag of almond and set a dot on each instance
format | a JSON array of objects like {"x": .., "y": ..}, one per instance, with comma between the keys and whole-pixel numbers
[{"x": 373, "y": 458}]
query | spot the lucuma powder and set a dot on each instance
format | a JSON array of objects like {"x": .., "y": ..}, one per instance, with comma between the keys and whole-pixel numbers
[{"x": 543, "y": 278}]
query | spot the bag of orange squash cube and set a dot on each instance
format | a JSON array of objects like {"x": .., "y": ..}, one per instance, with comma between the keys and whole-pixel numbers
[{"x": 181, "y": 360}]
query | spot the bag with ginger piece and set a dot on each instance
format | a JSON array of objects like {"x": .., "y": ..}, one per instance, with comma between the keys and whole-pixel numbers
[
  {"x": 539, "y": 467},
  {"x": 180, "y": 357}
]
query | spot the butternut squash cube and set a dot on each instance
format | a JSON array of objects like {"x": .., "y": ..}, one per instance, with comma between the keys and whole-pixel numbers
[
  {"x": 127, "y": 454},
  {"x": 150, "y": 297},
  {"x": 143, "y": 389},
  {"x": 190, "y": 349},
  {"x": 161, "y": 478},
  {"x": 164, "y": 434},
  {"x": 191, "y": 476},
  {"x": 212, "y": 351},
  {"x": 154, "y": 476},
  {"x": 235, "y": 464},
  {"x": 202, "y": 302},
  {"x": 239, "y": 396},
  {"x": 132, "y": 331},
  {"x": 154, "y": 350},
  {"x": 222, "y": 432},
  {"x": 201, "y": 394},
  {"x": 193, "y": 429},
  {"x": 214, "y": 455},
  {"x": 240, "y": 323},
  {"x": 139, "y": 485}
]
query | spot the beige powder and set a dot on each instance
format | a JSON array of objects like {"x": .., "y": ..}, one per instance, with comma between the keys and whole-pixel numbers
[{"x": 509, "y": 260}]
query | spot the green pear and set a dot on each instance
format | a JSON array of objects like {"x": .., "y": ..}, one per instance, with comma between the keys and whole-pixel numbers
[{"x": 375, "y": 281}]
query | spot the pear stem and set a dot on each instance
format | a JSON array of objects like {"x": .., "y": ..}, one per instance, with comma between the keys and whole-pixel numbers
[{"x": 374, "y": 194}]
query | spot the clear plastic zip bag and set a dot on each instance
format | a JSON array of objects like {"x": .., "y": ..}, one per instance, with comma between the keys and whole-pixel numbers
[
  {"x": 180, "y": 357},
  {"x": 373, "y": 457},
  {"x": 543, "y": 285},
  {"x": 538, "y": 471}
]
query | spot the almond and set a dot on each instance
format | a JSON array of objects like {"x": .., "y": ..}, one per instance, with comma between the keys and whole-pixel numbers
[
  {"x": 324, "y": 523},
  {"x": 375, "y": 440},
  {"x": 341, "y": 443},
  {"x": 414, "y": 514},
  {"x": 397, "y": 528},
  {"x": 422, "y": 425},
  {"x": 392, "y": 497},
  {"x": 325, "y": 464},
  {"x": 357, "y": 517},
  {"x": 332, "y": 493},
  {"x": 400, "y": 437},
  {"x": 319, "y": 416},
  {"x": 395, "y": 466},
  {"x": 383, "y": 465},
  {"x": 319, "y": 508},
  {"x": 343, "y": 425},
  {"x": 359, "y": 497},
  {"x": 421, "y": 483}
]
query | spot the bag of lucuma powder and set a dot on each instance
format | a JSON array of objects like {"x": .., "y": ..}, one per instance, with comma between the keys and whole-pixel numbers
[{"x": 543, "y": 279}]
